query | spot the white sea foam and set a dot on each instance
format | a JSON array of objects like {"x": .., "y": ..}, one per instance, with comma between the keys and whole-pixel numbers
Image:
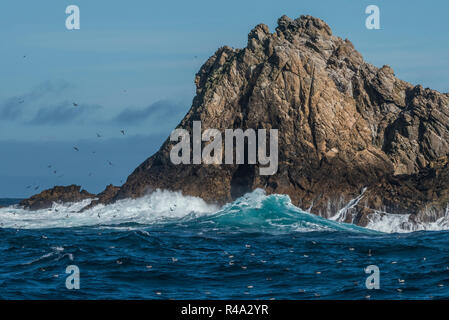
[
  {"x": 255, "y": 209},
  {"x": 157, "y": 207},
  {"x": 401, "y": 223},
  {"x": 394, "y": 223}
]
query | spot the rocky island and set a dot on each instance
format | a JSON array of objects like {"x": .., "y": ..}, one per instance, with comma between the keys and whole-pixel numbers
[{"x": 353, "y": 138}]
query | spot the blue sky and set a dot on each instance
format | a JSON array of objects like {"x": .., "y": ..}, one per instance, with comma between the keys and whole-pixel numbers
[{"x": 132, "y": 64}]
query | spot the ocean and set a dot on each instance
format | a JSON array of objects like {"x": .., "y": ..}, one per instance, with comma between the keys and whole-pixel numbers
[{"x": 169, "y": 246}]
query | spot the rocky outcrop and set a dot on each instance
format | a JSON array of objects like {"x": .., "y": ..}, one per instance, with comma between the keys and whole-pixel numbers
[
  {"x": 58, "y": 194},
  {"x": 354, "y": 140},
  {"x": 106, "y": 196},
  {"x": 344, "y": 126}
]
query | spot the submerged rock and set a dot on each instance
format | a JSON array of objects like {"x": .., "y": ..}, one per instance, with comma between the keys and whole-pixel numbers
[{"x": 345, "y": 127}]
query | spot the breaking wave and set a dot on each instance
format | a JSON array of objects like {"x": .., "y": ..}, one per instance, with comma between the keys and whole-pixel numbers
[{"x": 255, "y": 211}]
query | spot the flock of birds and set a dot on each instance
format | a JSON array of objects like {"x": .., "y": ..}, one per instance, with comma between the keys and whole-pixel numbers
[
  {"x": 36, "y": 187},
  {"x": 231, "y": 262},
  {"x": 76, "y": 148}
]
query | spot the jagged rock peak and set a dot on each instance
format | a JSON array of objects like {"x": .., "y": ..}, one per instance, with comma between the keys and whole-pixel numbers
[{"x": 308, "y": 24}]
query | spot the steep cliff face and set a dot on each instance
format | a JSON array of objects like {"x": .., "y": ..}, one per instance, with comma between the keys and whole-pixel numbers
[
  {"x": 344, "y": 125},
  {"x": 346, "y": 128}
]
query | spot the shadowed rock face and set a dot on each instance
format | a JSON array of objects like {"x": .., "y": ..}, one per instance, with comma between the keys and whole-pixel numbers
[
  {"x": 344, "y": 126},
  {"x": 46, "y": 198}
]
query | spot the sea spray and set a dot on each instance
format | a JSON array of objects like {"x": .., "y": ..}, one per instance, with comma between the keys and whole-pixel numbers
[{"x": 254, "y": 211}]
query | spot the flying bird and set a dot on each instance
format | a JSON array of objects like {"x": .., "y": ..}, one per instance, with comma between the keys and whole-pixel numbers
[
  {"x": 110, "y": 163},
  {"x": 98, "y": 135},
  {"x": 75, "y": 104},
  {"x": 76, "y": 149},
  {"x": 123, "y": 132}
]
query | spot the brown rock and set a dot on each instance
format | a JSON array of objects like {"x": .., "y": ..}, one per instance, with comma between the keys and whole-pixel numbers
[
  {"x": 58, "y": 194},
  {"x": 108, "y": 194},
  {"x": 104, "y": 197}
]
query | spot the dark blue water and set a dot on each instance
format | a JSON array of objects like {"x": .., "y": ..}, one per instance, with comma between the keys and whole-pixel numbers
[
  {"x": 8, "y": 201},
  {"x": 245, "y": 251}
]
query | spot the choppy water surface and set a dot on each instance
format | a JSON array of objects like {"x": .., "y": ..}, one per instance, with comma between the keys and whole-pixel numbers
[{"x": 168, "y": 246}]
